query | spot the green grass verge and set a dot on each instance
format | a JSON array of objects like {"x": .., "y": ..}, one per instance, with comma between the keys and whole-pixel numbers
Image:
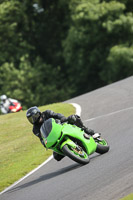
[
  {"x": 129, "y": 197},
  {"x": 20, "y": 150}
]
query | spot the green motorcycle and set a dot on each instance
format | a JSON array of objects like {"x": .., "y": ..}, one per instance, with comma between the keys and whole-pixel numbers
[{"x": 70, "y": 140}]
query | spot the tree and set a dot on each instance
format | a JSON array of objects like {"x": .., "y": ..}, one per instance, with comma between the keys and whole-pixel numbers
[
  {"x": 54, "y": 50},
  {"x": 31, "y": 85},
  {"x": 97, "y": 27},
  {"x": 120, "y": 64},
  {"x": 12, "y": 25}
]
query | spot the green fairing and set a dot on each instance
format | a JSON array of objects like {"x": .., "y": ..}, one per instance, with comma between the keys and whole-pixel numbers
[
  {"x": 77, "y": 133},
  {"x": 54, "y": 134},
  {"x": 62, "y": 134}
]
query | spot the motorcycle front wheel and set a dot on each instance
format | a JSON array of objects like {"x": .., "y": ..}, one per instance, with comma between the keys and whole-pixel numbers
[{"x": 77, "y": 154}]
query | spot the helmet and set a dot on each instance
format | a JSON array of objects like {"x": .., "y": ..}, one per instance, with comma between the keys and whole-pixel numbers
[
  {"x": 3, "y": 97},
  {"x": 33, "y": 114}
]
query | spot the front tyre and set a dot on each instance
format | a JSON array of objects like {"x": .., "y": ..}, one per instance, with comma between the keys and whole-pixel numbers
[
  {"x": 77, "y": 154},
  {"x": 102, "y": 146}
]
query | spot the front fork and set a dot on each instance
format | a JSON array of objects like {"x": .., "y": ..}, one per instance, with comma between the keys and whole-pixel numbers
[
  {"x": 69, "y": 142},
  {"x": 89, "y": 144}
]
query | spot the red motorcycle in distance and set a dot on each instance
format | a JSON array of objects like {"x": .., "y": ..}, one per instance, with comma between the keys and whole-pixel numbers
[{"x": 15, "y": 107}]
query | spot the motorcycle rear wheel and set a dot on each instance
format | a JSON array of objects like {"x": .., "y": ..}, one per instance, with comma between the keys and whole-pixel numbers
[
  {"x": 102, "y": 146},
  {"x": 78, "y": 155}
]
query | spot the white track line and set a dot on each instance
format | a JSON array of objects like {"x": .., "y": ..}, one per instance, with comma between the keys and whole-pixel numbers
[
  {"x": 78, "y": 108},
  {"x": 109, "y": 114},
  {"x": 78, "y": 112},
  {"x": 27, "y": 175}
]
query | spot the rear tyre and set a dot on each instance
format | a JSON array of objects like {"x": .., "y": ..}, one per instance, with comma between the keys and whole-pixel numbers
[
  {"x": 102, "y": 146},
  {"x": 77, "y": 154}
]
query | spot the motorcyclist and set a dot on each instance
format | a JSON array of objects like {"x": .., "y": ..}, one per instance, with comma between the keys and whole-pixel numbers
[
  {"x": 36, "y": 118},
  {"x": 5, "y": 103}
]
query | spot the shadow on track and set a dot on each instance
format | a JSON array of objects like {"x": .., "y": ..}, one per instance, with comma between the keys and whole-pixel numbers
[
  {"x": 50, "y": 175},
  {"x": 46, "y": 177}
]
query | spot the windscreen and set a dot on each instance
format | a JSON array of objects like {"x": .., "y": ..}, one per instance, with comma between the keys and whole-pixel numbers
[{"x": 46, "y": 128}]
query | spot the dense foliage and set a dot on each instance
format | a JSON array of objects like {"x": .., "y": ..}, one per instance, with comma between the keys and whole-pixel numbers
[{"x": 54, "y": 50}]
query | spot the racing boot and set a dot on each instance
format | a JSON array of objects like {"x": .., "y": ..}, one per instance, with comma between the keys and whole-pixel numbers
[
  {"x": 96, "y": 135},
  {"x": 57, "y": 156},
  {"x": 91, "y": 132}
]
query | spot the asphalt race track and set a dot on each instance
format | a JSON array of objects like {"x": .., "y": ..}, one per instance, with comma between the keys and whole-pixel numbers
[{"x": 108, "y": 110}]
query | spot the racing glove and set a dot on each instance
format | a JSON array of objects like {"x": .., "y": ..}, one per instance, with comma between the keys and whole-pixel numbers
[{"x": 71, "y": 119}]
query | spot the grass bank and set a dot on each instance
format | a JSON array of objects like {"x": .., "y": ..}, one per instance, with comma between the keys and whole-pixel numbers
[
  {"x": 20, "y": 150},
  {"x": 129, "y": 197}
]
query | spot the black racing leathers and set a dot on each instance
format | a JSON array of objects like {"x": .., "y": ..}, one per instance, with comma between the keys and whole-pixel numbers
[
  {"x": 46, "y": 115},
  {"x": 36, "y": 128}
]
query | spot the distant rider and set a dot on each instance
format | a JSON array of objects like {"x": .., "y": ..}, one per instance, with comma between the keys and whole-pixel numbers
[
  {"x": 36, "y": 118},
  {"x": 5, "y": 103}
]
